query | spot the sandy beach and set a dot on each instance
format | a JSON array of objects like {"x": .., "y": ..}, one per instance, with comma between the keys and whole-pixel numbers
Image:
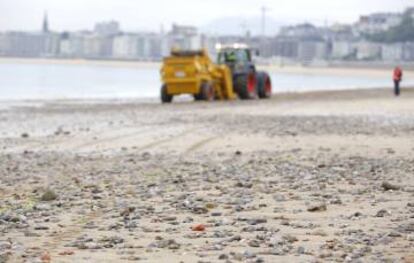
[{"x": 309, "y": 177}]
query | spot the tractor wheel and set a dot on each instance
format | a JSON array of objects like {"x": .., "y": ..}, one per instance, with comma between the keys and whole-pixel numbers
[
  {"x": 247, "y": 86},
  {"x": 264, "y": 85},
  {"x": 197, "y": 97},
  {"x": 165, "y": 97},
  {"x": 206, "y": 92}
]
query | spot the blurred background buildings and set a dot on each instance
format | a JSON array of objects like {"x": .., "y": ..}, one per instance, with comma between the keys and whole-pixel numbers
[{"x": 378, "y": 37}]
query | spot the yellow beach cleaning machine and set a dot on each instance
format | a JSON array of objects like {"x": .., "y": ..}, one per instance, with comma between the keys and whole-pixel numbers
[{"x": 193, "y": 72}]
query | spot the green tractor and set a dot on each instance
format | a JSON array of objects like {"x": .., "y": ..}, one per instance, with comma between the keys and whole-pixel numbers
[{"x": 248, "y": 82}]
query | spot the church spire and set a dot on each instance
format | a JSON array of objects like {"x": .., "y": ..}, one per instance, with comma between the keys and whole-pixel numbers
[{"x": 45, "y": 24}]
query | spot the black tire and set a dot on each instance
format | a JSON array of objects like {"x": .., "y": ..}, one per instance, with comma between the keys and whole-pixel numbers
[
  {"x": 264, "y": 85},
  {"x": 165, "y": 97},
  {"x": 197, "y": 97},
  {"x": 206, "y": 92},
  {"x": 247, "y": 86}
]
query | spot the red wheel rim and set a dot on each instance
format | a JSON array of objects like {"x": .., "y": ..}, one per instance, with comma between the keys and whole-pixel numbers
[
  {"x": 210, "y": 93},
  {"x": 268, "y": 86},
  {"x": 251, "y": 83}
]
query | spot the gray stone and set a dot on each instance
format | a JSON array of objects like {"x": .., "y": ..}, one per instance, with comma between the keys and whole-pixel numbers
[
  {"x": 387, "y": 186},
  {"x": 254, "y": 243},
  {"x": 382, "y": 213},
  {"x": 320, "y": 207}
]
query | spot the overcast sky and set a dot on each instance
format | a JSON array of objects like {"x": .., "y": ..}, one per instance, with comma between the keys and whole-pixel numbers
[{"x": 138, "y": 15}]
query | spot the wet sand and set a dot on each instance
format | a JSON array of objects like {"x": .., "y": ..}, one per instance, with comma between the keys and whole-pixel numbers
[{"x": 312, "y": 177}]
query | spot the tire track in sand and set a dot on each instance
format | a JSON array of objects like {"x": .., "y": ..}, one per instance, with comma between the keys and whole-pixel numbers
[
  {"x": 166, "y": 140},
  {"x": 201, "y": 144},
  {"x": 111, "y": 139},
  {"x": 74, "y": 143},
  {"x": 75, "y": 229},
  {"x": 72, "y": 231}
]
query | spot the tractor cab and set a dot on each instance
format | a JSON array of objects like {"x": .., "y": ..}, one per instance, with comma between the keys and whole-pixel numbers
[
  {"x": 237, "y": 57},
  {"x": 231, "y": 55},
  {"x": 248, "y": 83}
]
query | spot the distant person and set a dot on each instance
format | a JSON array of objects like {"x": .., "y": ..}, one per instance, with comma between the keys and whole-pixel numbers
[{"x": 397, "y": 79}]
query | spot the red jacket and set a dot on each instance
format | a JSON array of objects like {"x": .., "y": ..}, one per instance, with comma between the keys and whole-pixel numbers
[{"x": 398, "y": 74}]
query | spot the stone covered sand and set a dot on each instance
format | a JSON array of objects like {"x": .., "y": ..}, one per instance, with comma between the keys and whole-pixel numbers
[{"x": 324, "y": 176}]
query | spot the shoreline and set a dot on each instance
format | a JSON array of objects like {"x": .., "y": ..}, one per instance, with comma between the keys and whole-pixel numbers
[
  {"x": 84, "y": 62},
  {"x": 291, "y": 69}
]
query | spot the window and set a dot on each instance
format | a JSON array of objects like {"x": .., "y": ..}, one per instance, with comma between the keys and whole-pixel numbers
[{"x": 231, "y": 56}]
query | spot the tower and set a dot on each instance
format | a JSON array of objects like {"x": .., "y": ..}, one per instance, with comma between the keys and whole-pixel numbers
[
  {"x": 264, "y": 9},
  {"x": 45, "y": 27}
]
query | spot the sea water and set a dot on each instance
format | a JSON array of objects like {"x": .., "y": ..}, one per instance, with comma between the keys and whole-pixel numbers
[{"x": 72, "y": 81}]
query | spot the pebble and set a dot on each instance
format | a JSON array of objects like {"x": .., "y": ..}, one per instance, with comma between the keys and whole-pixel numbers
[
  {"x": 290, "y": 238},
  {"x": 301, "y": 250},
  {"x": 254, "y": 243},
  {"x": 257, "y": 221},
  {"x": 48, "y": 196},
  {"x": 40, "y": 227},
  {"x": 169, "y": 243},
  {"x": 382, "y": 213},
  {"x": 387, "y": 186},
  {"x": 198, "y": 228},
  {"x": 317, "y": 208}
]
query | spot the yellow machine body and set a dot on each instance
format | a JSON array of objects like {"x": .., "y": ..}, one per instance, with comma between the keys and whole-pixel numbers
[{"x": 184, "y": 72}]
